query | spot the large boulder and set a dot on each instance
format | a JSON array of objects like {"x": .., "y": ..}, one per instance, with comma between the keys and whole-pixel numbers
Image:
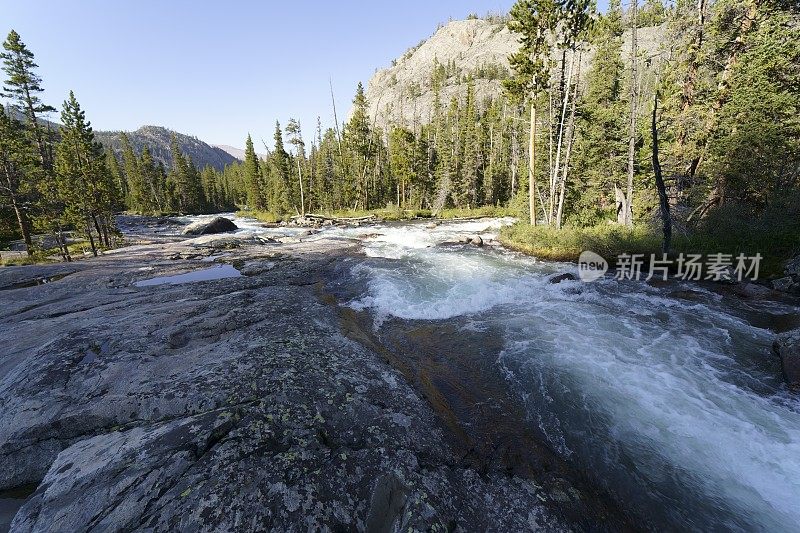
[
  {"x": 787, "y": 346},
  {"x": 210, "y": 227}
]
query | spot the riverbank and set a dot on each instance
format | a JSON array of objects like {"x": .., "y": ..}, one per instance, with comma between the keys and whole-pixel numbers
[
  {"x": 392, "y": 214},
  {"x": 611, "y": 240},
  {"x": 243, "y": 402},
  {"x": 383, "y": 376}
]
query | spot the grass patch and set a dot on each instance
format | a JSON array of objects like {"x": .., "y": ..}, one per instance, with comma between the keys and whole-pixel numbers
[
  {"x": 478, "y": 212},
  {"x": 566, "y": 244},
  {"x": 777, "y": 243},
  {"x": 263, "y": 216}
]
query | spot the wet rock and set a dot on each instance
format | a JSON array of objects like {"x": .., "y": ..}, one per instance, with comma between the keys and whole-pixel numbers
[
  {"x": 558, "y": 278},
  {"x": 474, "y": 240},
  {"x": 210, "y": 227},
  {"x": 432, "y": 225},
  {"x": 793, "y": 268},
  {"x": 783, "y": 284},
  {"x": 787, "y": 347},
  {"x": 751, "y": 290}
]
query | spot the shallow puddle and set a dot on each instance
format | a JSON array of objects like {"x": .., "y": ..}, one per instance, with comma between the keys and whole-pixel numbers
[{"x": 206, "y": 274}]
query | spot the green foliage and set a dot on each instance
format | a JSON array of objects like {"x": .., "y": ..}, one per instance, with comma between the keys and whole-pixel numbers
[
  {"x": 253, "y": 178},
  {"x": 22, "y": 84},
  {"x": 729, "y": 131},
  {"x": 535, "y": 21},
  {"x": 758, "y": 133},
  {"x": 567, "y": 243},
  {"x": 19, "y": 172},
  {"x": 85, "y": 184},
  {"x": 652, "y": 13}
]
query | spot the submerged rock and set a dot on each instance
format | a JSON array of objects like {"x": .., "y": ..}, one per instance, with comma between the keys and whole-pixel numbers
[
  {"x": 787, "y": 347},
  {"x": 475, "y": 240},
  {"x": 558, "y": 278},
  {"x": 210, "y": 227}
]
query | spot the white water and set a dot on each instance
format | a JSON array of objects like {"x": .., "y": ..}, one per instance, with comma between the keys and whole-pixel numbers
[{"x": 675, "y": 405}]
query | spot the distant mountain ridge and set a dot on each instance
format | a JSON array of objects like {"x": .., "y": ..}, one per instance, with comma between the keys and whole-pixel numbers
[{"x": 158, "y": 138}]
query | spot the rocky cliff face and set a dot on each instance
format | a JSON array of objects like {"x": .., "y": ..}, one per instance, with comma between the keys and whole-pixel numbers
[
  {"x": 403, "y": 93},
  {"x": 157, "y": 139}
]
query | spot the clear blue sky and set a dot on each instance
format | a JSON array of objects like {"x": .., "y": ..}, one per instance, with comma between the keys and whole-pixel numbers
[{"x": 218, "y": 70}]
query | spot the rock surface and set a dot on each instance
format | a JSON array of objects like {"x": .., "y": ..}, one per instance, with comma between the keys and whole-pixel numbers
[
  {"x": 559, "y": 278},
  {"x": 230, "y": 405},
  {"x": 787, "y": 347},
  {"x": 210, "y": 227}
]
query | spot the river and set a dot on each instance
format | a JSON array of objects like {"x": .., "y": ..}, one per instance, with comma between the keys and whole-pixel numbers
[{"x": 668, "y": 397}]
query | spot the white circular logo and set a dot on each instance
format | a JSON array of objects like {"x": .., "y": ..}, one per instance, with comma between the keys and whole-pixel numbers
[{"x": 591, "y": 266}]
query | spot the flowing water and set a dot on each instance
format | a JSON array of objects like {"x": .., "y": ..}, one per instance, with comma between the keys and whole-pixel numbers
[{"x": 667, "y": 397}]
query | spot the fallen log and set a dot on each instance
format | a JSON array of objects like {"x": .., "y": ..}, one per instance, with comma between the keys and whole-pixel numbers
[{"x": 323, "y": 218}]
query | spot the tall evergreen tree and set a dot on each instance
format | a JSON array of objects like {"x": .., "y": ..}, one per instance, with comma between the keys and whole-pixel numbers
[
  {"x": 279, "y": 197},
  {"x": 23, "y": 87},
  {"x": 84, "y": 181},
  {"x": 535, "y": 22},
  {"x": 18, "y": 165},
  {"x": 359, "y": 140},
  {"x": 253, "y": 178}
]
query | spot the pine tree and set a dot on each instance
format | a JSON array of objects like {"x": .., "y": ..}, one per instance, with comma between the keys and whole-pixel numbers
[
  {"x": 754, "y": 153},
  {"x": 466, "y": 190},
  {"x": 359, "y": 140},
  {"x": 84, "y": 180},
  {"x": 535, "y": 21},
  {"x": 18, "y": 165},
  {"x": 253, "y": 178},
  {"x": 600, "y": 148},
  {"x": 134, "y": 184},
  {"x": 153, "y": 198},
  {"x": 279, "y": 197},
  {"x": 118, "y": 178},
  {"x": 401, "y": 163},
  {"x": 296, "y": 139},
  {"x": 23, "y": 87}
]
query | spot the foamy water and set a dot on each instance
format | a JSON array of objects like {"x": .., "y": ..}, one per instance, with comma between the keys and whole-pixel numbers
[{"x": 675, "y": 406}]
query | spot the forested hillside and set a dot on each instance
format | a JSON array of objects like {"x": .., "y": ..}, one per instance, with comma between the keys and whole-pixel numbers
[
  {"x": 725, "y": 78},
  {"x": 158, "y": 140}
]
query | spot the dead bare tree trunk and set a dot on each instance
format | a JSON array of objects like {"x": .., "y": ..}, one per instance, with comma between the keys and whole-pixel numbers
[
  {"x": 568, "y": 155},
  {"x": 554, "y": 173},
  {"x": 22, "y": 220},
  {"x": 532, "y": 165},
  {"x": 666, "y": 220},
  {"x": 628, "y": 207},
  {"x": 302, "y": 195}
]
